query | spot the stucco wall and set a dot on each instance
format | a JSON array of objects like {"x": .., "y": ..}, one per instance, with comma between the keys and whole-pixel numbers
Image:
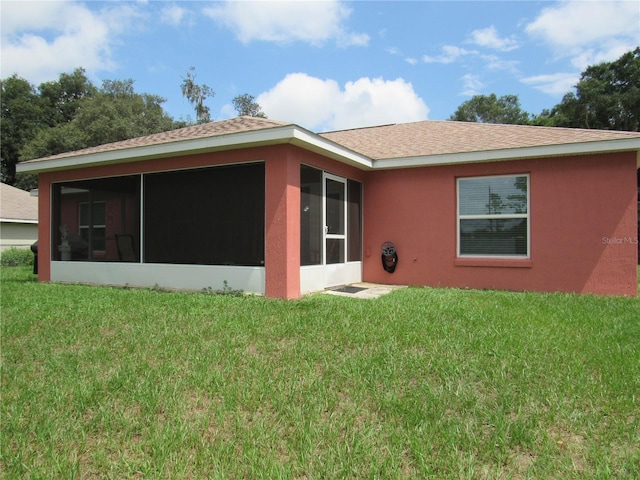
[
  {"x": 583, "y": 226},
  {"x": 282, "y": 203},
  {"x": 583, "y": 220},
  {"x": 272, "y": 156}
]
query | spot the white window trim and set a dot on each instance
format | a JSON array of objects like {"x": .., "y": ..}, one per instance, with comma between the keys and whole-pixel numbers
[{"x": 491, "y": 217}]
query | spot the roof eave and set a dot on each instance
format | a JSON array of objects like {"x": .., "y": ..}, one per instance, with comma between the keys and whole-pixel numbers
[
  {"x": 295, "y": 135},
  {"x": 18, "y": 220},
  {"x": 272, "y": 136},
  {"x": 592, "y": 147},
  {"x": 315, "y": 143}
]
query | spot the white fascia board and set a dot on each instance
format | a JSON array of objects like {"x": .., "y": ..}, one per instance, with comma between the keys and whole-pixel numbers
[
  {"x": 272, "y": 136},
  {"x": 312, "y": 142},
  {"x": 601, "y": 146}
]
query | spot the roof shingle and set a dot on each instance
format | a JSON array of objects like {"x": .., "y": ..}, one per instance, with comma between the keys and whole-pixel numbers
[
  {"x": 433, "y": 137},
  {"x": 204, "y": 130},
  {"x": 17, "y": 205},
  {"x": 397, "y": 141}
]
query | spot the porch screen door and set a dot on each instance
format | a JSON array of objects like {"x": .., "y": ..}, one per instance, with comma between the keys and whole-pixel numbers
[{"x": 335, "y": 219}]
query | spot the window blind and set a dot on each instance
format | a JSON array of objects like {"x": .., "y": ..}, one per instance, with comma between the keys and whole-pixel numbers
[{"x": 493, "y": 216}]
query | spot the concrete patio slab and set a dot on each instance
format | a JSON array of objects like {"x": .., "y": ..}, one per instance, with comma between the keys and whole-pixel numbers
[{"x": 363, "y": 290}]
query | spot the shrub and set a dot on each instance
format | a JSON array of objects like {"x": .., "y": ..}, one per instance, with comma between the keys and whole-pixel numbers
[{"x": 16, "y": 257}]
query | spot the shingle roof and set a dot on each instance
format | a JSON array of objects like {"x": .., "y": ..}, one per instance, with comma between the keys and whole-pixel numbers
[
  {"x": 17, "y": 205},
  {"x": 387, "y": 142},
  {"x": 205, "y": 130},
  {"x": 445, "y": 137}
]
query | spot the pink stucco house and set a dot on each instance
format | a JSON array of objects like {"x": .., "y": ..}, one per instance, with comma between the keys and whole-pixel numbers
[{"x": 272, "y": 208}]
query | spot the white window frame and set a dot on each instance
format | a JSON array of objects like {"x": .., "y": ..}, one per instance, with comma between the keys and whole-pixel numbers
[{"x": 526, "y": 216}]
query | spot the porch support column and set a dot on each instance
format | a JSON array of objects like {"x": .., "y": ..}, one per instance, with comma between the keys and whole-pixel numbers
[
  {"x": 282, "y": 239},
  {"x": 44, "y": 228}
]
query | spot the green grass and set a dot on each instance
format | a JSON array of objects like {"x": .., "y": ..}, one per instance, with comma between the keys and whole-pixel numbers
[{"x": 422, "y": 383}]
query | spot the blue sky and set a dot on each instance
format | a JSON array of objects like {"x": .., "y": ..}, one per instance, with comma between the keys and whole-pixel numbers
[{"x": 324, "y": 65}]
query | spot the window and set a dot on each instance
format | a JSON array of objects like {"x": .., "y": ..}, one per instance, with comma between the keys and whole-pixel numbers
[
  {"x": 92, "y": 224},
  {"x": 493, "y": 216},
  {"x": 93, "y": 214}
]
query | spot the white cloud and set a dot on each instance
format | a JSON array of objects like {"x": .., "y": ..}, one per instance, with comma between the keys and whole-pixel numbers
[
  {"x": 556, "y": 84},
  {"x": 607, "y": 52},
  {"x": 322, "y": 105},
  {"x": 17, "y": 16},
  {"x": 41, "y": 40},
  {"x": 450, "y": 53},
  {"x": 588, "y": 32},
  {"x": 493, "y": 62},
  {"x": 172, "y": 15},
  {"x": 287, "y": 21},
  {"x": 471, "y": 85},
  {"x": 488, "y": 37},
  {"x": 393, "y": 51},
  {"x": 397, "y": 53}
]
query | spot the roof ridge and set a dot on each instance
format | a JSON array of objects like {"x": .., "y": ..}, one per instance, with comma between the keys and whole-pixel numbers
[{"x": 359, "y": 128}]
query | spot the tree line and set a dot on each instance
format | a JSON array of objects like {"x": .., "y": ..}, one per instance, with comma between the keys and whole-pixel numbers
[
  {"x": 72, "y": 113},
  {"x": 607, "y": 97}
]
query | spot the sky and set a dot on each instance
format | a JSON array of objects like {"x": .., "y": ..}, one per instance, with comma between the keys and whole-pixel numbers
[{"x": 324, "y": 65}]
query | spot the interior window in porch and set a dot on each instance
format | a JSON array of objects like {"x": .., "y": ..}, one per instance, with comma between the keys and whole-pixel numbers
[{"x": 97, "y": 220}]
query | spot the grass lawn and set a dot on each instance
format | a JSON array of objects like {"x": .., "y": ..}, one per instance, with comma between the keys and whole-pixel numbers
[{"x": 422, "y": 383}]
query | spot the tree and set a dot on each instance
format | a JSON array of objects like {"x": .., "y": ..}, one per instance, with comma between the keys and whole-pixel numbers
[
  {"x": 112, "y": 113},
  {"x": 61, "y": 98},
  {"x": 27, "y": 113},
  {"x": 607, "y": 97},
  {"x": 69, "y": 114},
  {"x": 22, "y": 117},
  {"x": 196, "y": 95},
  {"x": 245, "y": 106},
  {"x": 115, "y": 112},
  {"x": 491, "y": 109}
]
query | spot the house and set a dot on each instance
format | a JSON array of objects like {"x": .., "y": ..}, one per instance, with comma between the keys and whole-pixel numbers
[
  {"x": 272, "y": 208},
  {"x": 18, "y": 218}
]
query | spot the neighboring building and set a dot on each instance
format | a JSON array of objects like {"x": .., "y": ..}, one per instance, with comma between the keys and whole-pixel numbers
[
  {"x": 18, "y": 218},
  {"x": 272, "y": 208}
]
